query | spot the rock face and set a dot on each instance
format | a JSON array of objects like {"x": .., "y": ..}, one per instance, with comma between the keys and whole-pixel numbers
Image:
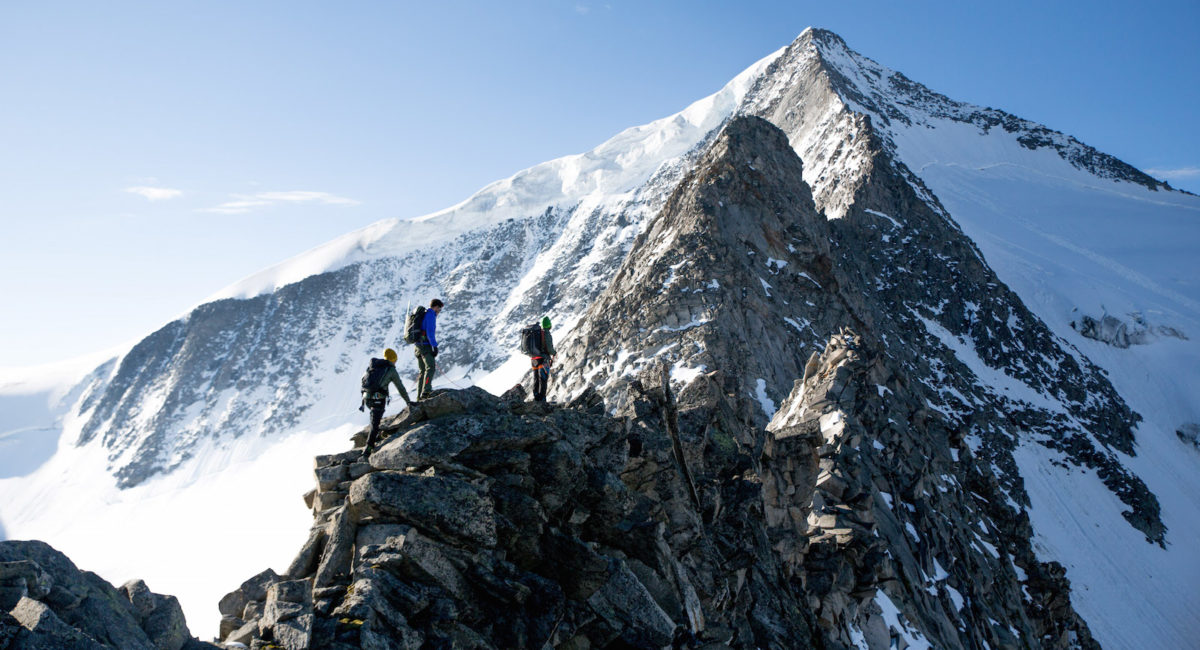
[
  {"x": 872, "y": 506},
  {"x": 741, "y": 271},
  {"x": 890, "y": 482},
  {"x": 49, "y": 603},
  {"x": 902, "y": 518},
  {"x": 492, "y": 523}
]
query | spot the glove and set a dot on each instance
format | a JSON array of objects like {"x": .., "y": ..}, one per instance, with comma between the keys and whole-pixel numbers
[{"x": 435, "y": 352}]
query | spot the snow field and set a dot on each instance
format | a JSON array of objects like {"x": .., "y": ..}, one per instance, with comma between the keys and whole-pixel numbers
[{"x": 1070, "y": 244}]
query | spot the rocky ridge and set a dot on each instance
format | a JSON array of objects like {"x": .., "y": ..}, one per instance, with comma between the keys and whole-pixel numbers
[
  {"x": 740, "y": 270},
  {"x": 46, "y": 603},
  {"x": 486, "y": 522}
]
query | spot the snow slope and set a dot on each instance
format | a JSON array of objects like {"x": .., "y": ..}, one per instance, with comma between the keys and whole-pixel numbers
[
  {"x": 1069, "y": 244},
  {"x": 33, "y": 402}
]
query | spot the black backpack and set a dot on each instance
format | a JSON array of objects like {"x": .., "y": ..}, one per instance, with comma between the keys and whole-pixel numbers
[
  {"x": 414, "y": 327},
  {"x": 372, "y": 379},
  {"x": 531, "y": 341}
]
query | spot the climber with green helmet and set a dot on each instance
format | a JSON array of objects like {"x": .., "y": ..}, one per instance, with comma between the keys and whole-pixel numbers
[
  {"x": 542, "y": 358},
  {"x": 380, "y": 373}
]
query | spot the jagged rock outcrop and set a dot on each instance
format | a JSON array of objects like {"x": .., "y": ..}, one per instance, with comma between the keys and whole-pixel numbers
[
  {"x": 908, "y": 535},
  {"x": 487, "y": 522},
  {"x": 492, "y": 523},
  {"x": 47, "y": 603},
  {"x": 1121, "y": 334}
]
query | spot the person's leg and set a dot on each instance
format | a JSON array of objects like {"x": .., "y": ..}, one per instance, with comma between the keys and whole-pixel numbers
[
  {"x": 376, "y": 418},
  {"x": 540, "y": 374},
  {"x": 428, "y": 366},
  {"x": 422, "y": 371},
  {"x": 431, "y": 362},
  {"x": 534, "y": 362}
]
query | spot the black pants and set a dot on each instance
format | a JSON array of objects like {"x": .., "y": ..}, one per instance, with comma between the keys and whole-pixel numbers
[
  {"x": 541, "y": 377},
  {"x": 376, "y": 406}
]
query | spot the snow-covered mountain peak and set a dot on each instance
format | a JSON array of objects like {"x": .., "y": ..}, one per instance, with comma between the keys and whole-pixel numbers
[{"x": 896, "y": 102}]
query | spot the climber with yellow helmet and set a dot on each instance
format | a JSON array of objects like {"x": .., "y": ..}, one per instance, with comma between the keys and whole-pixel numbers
[{"x": 380, "y": 373}]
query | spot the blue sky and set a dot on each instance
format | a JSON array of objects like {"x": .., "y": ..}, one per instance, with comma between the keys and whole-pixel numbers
[{"x": 152, "y": 153}]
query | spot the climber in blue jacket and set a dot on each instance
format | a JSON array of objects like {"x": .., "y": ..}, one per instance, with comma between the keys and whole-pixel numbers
[{"x": 426, "y": 350}]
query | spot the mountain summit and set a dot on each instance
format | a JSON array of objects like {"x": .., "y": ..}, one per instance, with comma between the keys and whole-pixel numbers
[{"x": 930, "y": 293}]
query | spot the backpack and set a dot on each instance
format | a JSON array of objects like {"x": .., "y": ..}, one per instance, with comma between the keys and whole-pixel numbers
[
  {"x": 414, "y": 327},
  {"x": 531, "y": 341},
  {"x": 372, "y": 379}
]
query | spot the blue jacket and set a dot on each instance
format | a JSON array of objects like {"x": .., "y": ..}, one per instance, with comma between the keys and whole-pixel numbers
[{"x": 430, "y": 327}]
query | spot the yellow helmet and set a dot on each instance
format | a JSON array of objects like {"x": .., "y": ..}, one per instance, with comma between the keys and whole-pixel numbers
[{"x": 390, "y": 355}]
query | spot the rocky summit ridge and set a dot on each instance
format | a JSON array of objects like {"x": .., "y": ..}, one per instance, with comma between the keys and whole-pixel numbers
[
  {"x": 740, "y": 271},
  {"x": 491, "y": 522}
]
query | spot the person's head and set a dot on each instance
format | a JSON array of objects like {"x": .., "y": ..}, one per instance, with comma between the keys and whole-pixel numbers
[
  {"x": 436, "y": 305},
  {"x": 546, "y": 323},
  {"x": 390, "y": 355}
]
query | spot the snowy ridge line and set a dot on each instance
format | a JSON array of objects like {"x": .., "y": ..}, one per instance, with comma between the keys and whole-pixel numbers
[
  {"x": 618, "y": 166},
  {"x": 895, "y": 101}
]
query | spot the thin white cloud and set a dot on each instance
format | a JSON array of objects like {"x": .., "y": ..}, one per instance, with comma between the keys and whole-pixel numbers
[
  {"x": 1175, "y": 174},
  {"x": 154, "y": 193},
  {"x": 247, "y": 202},
  {"x": 300, "y": 196},
  {"x": 237, "y": 207}
]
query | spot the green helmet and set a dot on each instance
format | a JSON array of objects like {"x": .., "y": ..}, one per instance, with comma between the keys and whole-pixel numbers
[{"x": 546, "y": 323}]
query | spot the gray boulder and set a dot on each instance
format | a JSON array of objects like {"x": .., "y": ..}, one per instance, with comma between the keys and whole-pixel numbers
[
  {"x": 627, "y": 605},
  {"x": 405, "y": 552},
  {"x": 440, "y": 443},
  {"x": 47, "y": 630},
  {"x": 254, "y": 589},
  {"x": 20, "y": 579},
  {"x": 444, "y": 507},
  {"x": 161, "y": 617}
]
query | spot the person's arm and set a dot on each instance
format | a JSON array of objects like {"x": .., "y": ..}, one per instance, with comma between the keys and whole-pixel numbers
[{"x": 394, "y": 377}]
